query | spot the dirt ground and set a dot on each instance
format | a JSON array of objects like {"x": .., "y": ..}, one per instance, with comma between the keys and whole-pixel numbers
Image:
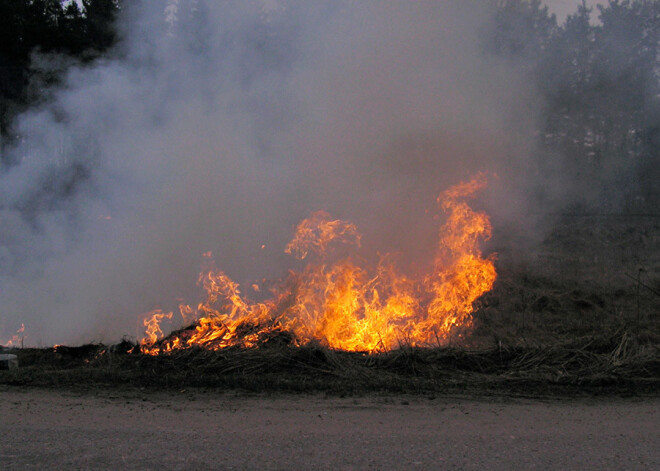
[{"x": 200, "y": 431}]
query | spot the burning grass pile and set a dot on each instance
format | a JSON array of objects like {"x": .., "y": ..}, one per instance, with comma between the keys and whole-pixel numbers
[
  {"x": 533, "y": 334},
  {"x": 338, "y": 298},
  {"x": 620, "y": 361}
]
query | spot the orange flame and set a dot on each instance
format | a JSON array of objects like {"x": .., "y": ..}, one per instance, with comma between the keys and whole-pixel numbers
[
  {"x": 341, "y": 304},
  {"x": 317, "y": 232},
  {"x": 152, "y": 322},
  {"x": 18, "y": 338}
]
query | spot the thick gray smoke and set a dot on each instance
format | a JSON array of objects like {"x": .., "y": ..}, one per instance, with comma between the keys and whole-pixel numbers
[{"x": 219, "y": 125}]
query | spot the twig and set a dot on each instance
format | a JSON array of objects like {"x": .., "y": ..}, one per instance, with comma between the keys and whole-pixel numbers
[
  {"x": 643, "y": 284},
  {"x": 639, "y": 304},
  {"x": 437, "y": 339}
]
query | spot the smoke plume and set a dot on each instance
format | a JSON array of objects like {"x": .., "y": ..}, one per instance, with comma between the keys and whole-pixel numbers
[{"x": 220, "y": 125}]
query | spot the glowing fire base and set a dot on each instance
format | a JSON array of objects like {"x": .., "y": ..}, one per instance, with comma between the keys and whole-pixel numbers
[{"x": 340, "y": 304}]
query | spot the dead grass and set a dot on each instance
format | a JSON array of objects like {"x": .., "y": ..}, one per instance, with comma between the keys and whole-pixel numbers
[
  {"x": 539, "y": 331},
  {"x": 619, "y": 361}
]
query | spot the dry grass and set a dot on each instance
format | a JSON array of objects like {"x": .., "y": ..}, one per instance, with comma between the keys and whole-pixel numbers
[
  {"x": 539, "y": 331},
  {"x": 620, "y": 361}
]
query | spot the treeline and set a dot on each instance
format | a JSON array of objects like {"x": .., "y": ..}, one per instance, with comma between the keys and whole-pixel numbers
[
  {"x": 598, "y": 75},
  {"x": 59, "y": 27}
]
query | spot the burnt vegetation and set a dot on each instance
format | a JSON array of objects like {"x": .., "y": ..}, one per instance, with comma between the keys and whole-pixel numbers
[{"x": 615, "y": 360}]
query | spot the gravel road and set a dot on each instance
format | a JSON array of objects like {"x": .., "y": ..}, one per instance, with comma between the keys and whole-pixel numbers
[{"x": 204, "y": 431}]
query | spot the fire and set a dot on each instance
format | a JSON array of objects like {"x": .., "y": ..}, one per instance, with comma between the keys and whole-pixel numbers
[
  {"x": 317, "y": 232},
  {"x": 152, "y": 322},
  {"x": 18, "y": 338},
  {"x": 342, "y": 304}
]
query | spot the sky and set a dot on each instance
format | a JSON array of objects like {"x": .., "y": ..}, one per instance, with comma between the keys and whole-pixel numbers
[{"x": 562, "y": 8}]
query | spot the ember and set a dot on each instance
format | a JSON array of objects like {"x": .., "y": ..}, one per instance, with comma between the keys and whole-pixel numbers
[{"x": 342, "y": 304}]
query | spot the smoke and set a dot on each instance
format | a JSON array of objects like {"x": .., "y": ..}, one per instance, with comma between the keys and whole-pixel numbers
[
  {"x": 563, "y": 8},
  {"x": 220, "y": 125}
]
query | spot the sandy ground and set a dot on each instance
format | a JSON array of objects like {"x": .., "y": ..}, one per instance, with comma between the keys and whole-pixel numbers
[{"x": 199, "y": 431}]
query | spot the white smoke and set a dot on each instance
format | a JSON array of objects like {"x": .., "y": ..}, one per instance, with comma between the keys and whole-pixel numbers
[{"x": 219, "y": 125}]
